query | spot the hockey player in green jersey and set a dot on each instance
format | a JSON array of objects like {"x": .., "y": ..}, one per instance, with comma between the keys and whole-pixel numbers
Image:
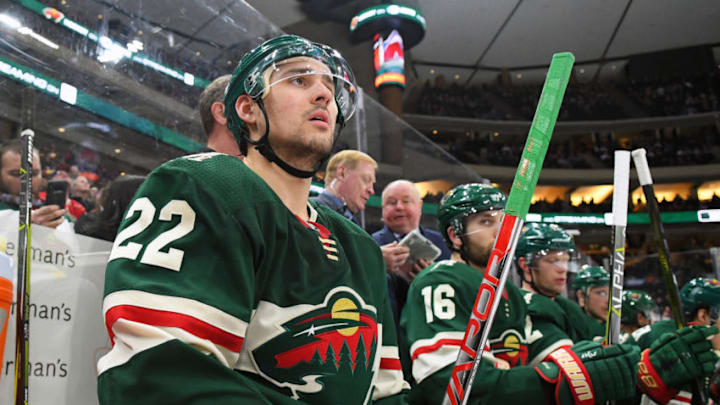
[
  {"x": 542, "y": 259},
  {"x": 701, "y": 304},
  {"x": 591, "y": 288},
  {"x": 438, "y": 308},
  {"x": 225, "y": 285},
  {"x": 637, "y": 311}
]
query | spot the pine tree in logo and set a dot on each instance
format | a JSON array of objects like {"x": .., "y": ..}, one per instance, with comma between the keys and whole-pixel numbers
[
  {"x": 361, "y": 357},
  {"x": 346, "y": 361},
  {"x": 330, "y": 365}
]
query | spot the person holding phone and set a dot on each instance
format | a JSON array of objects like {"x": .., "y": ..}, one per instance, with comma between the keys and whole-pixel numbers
[{"x": 10, "y": 158}]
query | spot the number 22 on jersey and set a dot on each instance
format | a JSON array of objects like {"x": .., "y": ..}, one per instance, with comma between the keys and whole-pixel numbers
[{"x": 172, "y": 259}]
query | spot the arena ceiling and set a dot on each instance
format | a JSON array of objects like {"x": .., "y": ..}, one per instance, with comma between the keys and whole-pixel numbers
[
  {"x": 470, "y": 40},
  {"x": 474, "y": 39}
]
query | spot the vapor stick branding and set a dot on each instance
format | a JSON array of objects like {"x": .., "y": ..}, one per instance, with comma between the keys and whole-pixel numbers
[
  {"x": 517, "y": 206},
  {"x": 619, "y": 222}
]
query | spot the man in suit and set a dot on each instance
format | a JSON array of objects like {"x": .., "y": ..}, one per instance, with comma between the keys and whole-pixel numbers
[
  {"x": 349, "y": 180},
  {"x": 401, "y": 212}
]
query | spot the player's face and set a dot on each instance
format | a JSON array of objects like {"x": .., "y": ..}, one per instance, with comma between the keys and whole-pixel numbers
[
  {"x": 302, "y": 111},
  {"x": 480, "y": 232},
  {"x": 596, "y": 303},
  {"x": 10, "y": 173},
  {"x": 357, "y": 185},
  {"x": 401, "y": 208},
  {"x": 550, "y": 272}
]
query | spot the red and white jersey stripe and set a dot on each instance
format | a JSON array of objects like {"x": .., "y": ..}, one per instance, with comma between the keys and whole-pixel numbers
[{"x": 137, "y": 321}]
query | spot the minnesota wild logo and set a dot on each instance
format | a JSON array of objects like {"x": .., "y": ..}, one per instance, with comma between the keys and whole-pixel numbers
[
  {"x": 331, "y": 347},
  {"x": 510, "y": 347}
]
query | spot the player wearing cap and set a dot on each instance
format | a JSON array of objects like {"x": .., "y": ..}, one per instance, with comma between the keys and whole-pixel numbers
[{"x": 226, "y": 286}]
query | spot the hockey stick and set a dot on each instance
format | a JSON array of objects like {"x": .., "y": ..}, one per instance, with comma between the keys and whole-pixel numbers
[
  {"x": 671, "y": 284},
  {"x": 22, "y": 291},
  {"x": 619, "y": 222},
  {"x": 518, "y": 203}
]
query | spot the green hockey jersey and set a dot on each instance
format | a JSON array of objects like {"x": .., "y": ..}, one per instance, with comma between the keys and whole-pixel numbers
[
  {"x": 215, "y": 292},
  {"x": 434, "y": 319}
]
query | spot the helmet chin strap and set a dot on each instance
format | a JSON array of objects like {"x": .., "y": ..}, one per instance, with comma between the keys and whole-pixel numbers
[{"x": 263, "y": 146}]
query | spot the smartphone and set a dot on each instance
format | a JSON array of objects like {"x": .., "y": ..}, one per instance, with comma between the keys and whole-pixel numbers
[{"x": 57, "y": 193}]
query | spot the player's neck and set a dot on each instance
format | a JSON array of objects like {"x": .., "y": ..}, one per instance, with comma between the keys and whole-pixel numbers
[
  {"x": 455, "y": 255},
  {"x": 292, "y": 191},
  {"x": 223, "y": 142}
]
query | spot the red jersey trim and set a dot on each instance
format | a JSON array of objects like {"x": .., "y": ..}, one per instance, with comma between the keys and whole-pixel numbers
[{"x": 188, "y": 323}]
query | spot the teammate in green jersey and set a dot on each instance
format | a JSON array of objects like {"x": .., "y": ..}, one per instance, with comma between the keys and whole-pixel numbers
[
  {"x": 225, "y": 285},
  {"x": 591, "y": 288},
  {"x": 542, "y": 259},
  {"x": 701, "y": 303},
  {"x": 637, "y": 310},
  {"x": 439, "y": 305}
]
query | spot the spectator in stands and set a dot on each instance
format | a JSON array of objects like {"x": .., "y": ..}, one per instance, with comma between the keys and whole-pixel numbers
[
  {"x": 401, "y": 212},
  {"x": 10, "y": 158},
  {"x": 114, "y": 201},
  {"x": 80, "y": 192},
  {"x": 218, "y": 137},
  {"x": 73, "y": 208},
  {"x": 349, "y": 180}
]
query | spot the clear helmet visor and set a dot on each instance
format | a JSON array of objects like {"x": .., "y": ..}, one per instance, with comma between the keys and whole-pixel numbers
[
  {"x": 561, "y": 258},
  {"x": 306, "y": 72},
  {"x": 483, "y": 220}
]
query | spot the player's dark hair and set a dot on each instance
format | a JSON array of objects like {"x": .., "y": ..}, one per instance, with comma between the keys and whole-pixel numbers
[{"x": 115, "y": 200}]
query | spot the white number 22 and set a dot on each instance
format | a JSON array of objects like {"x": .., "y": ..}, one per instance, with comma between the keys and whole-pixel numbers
[{"x": 153, "y": 256}]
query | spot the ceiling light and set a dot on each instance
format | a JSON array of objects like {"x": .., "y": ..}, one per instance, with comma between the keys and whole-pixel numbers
[
  {"x": 434, "y": 131},
  {"x": 100, "y": 16},
  {"x": 496, "y": 134},
  {"x": 519, "y": 75},
  {"x": 197, "y": 53},
  {"x": 61, "y": 130},
  {"x": 140, "y": 32},
  {"x": 122, "y": 173},
  {"x": 432, "y": 71},
  {"x": 118, "y": 150},
  {"x": 457, "y": 77}
]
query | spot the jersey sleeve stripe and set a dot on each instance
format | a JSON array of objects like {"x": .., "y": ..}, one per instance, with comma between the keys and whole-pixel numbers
[
  {"x": 134, "y": 338},
  {"x": 186, "y": 306},
  {"x": 428, "y": 349},
  {"x": 190, "y": 324},
  {"x": 390, "y": 364}
]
